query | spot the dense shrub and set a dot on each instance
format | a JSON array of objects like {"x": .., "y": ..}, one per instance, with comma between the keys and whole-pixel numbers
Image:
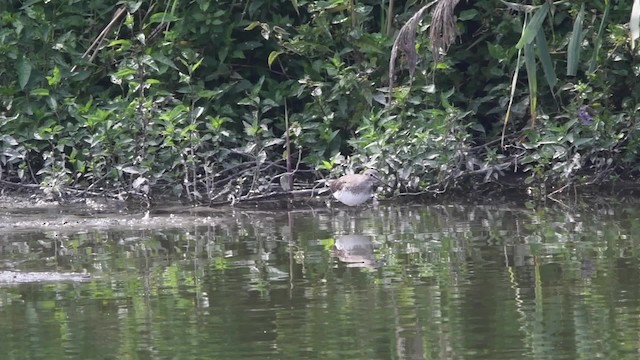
[{"x": 198, "y": 99}]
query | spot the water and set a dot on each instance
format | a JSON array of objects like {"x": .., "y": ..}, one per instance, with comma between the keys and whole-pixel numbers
[{"x": 397, "y": 282}]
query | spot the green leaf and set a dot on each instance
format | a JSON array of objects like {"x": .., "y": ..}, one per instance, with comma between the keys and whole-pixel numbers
[
  {"x": 275, "y": 141},
  {"x": 532, "y": 78},
  {"x": 162, "y": 17},
  {"x": 468, "y": 14},
  {"x": 134, "y": 6},
  {"x": 252, "y": 26},
  {"x": 164, "y": 60},
  {"x": 533, "y": 26},
  {"x": 195, "y": 66},
  {"x": 272, "y": 57},
  {"x": 123, "y": 73},
  {"x": 597, "y": 44},
  {"x": 582, "y": 141},
  {"x": 573, "y": 50},
  {"x": 442, "y": 66},
  {"x": 545, "y": 59},
  {"x": 246, "y": 101},
  {"x": 209, "y": 94},
  {"x": 24, "y": 72},
  {"x": 326, "y": 165},
  {"x": 52, "y": 102},
  {"x": 54, "y": 79},
  {"x": 333, "y": 135},
  {"x": 496, "y": 51},
  {"x": 238, "y": 54},
  {"x": 131, "y": 170},
  {"x": 204, "y": 6},
  {"x": 121, "y": 44},
  {"x": 295, "y": 6},
  {"x": 39, "y": 92},
  {"x": 8, "y": 139},
  {"x": 222, "y": 53},
  {"x": 519, "y": 7}
]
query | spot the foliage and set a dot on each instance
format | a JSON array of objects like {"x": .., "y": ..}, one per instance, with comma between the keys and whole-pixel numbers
[{"x": 190, "y": 98}]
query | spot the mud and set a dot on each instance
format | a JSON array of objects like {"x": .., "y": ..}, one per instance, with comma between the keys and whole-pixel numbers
[{"x": 23, "y": 214}]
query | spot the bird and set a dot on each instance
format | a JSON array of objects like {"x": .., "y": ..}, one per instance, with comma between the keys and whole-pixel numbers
[{"x": 355, "y": 189}]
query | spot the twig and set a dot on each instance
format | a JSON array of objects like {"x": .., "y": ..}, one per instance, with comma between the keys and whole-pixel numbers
[
  {"x": 514, "y": 134},
  {"x": 27, "y": 186},
  {"x": 33, "y": 176},
  {"x": 558, "y": 191},
  {"x": 101, "y": 36},
  {"x": 558, "y": 201},
  {"x": 514, "y": 82},
  {"x": 282, "y": 194},
  {"x": 234, "y": 176},
  {"x": 406, "y": 43},
  {"x": 288, "y": 146}
]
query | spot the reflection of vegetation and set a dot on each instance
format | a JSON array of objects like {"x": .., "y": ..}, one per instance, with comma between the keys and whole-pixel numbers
[{"x": 454, "y": 281}]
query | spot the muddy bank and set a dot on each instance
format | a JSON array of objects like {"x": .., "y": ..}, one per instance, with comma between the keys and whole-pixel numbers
[
  {"x": 26, "y": 214},
  {"x": 27, "y": 211}
]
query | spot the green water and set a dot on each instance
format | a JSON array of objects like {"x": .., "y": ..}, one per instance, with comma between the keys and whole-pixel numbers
[{"x": 409, "y": 282}]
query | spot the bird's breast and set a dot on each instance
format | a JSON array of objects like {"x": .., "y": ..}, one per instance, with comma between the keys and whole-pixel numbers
[{"x": 351, "y": 198}]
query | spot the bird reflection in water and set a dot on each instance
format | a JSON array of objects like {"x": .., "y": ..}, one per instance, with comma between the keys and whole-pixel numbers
[{"x": 355, "y": 251}]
